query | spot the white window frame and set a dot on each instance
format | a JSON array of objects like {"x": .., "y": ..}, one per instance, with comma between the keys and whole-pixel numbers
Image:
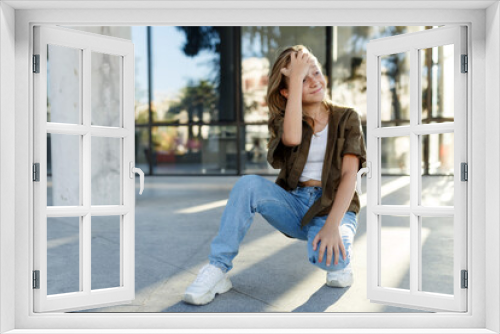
[
  {"x": 86, "y": 44},
  {"x": 412, "y": 214},
  {"x": 483, "y": 103}
]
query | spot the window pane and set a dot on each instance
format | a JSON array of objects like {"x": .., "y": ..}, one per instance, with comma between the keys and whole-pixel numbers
[
  {"x": 437, "y": 70},
  {"x": 194, "y": 149},
  {"x": 436, "y": 236},
  {"x": 139, "y": 38},
  {"x": 142, "y": 148},
  {"x": 437, "y": 173},
  {"x": 190, "y": 66},
  {"x": 63, "y": 170},
  {"x": 106, "y": 171},
  {"x": 106, "y": 89},
  {"x": 395, "y": 87},
  {"x": 395, "y": 251},
  {"x": 63, "y": 255},
  {"x": 395, "y": 169},
  {"x": 255, "y": 151},
  {"x": 259, "y": 48},
  {"x": 105, "y": 252},
  {"x": 63, "y": 84}
]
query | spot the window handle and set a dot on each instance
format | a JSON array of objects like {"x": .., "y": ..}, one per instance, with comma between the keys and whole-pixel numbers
[
  {"x": 134, "y": 170},
  {"x": 365, "y": 170}
]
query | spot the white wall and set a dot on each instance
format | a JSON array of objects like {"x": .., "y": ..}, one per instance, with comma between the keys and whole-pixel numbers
[
  {"x": 492, "y": 162},
  {"x": 7, "y": 161}
]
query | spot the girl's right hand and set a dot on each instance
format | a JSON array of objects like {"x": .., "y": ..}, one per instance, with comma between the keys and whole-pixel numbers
[{"x": 300, "y": 63}]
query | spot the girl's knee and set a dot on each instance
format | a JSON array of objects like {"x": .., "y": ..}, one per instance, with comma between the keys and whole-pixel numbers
[{"x": 342, "y": 263}]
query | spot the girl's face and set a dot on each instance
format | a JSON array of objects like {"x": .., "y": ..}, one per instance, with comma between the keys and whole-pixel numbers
[{"x": 313, "y": 86}]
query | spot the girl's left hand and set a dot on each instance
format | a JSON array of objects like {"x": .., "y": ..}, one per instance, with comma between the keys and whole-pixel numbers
[{"x": 331, "y": 242}]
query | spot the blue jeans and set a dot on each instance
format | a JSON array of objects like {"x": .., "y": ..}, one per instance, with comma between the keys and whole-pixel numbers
[{"x": 284, "y": 211}]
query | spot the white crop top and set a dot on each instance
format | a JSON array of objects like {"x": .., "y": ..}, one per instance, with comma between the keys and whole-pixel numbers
[{"x": 314, "y": 165}]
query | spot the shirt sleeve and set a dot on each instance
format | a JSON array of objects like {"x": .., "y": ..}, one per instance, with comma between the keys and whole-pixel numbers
[
  {"x": 276, "y": 149},
  {"x": 354, "y": 141}
]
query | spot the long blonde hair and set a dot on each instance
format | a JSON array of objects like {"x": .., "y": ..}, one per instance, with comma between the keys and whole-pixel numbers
[{"x": 278, "y": 81}]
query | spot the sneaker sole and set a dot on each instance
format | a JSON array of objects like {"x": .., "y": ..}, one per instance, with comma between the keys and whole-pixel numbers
[
  {"x": 339, "y": 284},
  {"x": 223, "y": 286}
]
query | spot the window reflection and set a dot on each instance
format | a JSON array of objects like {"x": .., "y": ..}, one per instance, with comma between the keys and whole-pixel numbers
[
  {"x": 186, "y": 73},
  {"x": 193, "y": 149},
  {"x": 255, "y": 151},
  {"x": 141, "y": 148}
]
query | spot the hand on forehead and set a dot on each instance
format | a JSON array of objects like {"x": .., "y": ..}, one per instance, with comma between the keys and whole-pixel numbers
[
  {"x": 313, "y": 59},
  {"x": 311, "y": 56}
]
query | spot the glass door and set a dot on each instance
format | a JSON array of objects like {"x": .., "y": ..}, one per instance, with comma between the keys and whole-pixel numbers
[
  {"x": 417, "y": 240},
  {"x": 84, "y": 162}
]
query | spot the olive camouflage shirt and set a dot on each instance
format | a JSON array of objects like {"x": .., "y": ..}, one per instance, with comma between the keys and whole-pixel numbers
[{"x": 345, "y": 136}]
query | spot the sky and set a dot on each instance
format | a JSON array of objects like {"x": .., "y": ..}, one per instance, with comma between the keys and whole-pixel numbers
[{"x": 171, "y": 68}]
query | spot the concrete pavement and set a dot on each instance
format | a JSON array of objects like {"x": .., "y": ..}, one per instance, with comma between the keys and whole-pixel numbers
[{"x": 176, "y": 219}]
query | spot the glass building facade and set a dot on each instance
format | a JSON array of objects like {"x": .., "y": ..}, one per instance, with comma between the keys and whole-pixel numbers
[{"x": 200, "y": 92}]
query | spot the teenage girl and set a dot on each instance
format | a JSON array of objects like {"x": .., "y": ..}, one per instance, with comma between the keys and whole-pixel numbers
[{"x": 319, "y": 148}]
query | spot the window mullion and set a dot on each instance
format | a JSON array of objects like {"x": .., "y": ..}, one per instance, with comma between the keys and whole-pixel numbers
[
  {"x": 86, "y": 230},
  {"x": 414, "y": 172}
]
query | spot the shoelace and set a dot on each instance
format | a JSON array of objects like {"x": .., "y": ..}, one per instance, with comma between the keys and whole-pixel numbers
[
  {"x": 341, "y": 271},
  {"x": 206, "y": 274}
]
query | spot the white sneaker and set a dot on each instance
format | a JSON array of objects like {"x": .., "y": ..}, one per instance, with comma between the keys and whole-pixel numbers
[
  {"x": 340, "y": 278},
  {"x": 210, "y": 281}
]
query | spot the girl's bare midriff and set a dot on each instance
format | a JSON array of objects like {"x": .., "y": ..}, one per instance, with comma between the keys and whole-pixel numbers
[{"x": 310, "y": 183}]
